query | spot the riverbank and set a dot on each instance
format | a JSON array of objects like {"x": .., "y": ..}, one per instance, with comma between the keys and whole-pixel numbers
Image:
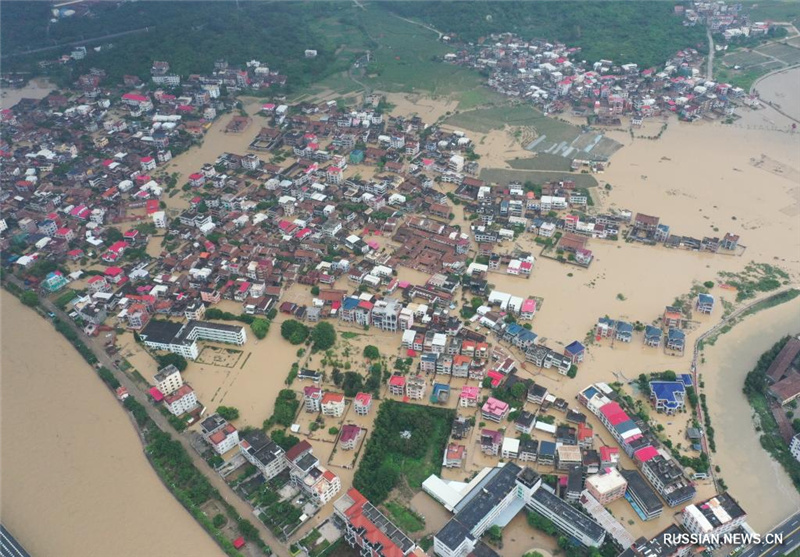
[
  {"x": 757, "y": 481},
  {"x": 56, "y": 415}
]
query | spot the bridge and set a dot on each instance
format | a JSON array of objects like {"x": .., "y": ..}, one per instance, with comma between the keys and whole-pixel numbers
[
  {"x": 9, "y": 546},
  {"x": 790, "y": 528}
]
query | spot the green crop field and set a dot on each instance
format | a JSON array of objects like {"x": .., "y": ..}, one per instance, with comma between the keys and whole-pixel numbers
[{"x": 503, "y": 177}]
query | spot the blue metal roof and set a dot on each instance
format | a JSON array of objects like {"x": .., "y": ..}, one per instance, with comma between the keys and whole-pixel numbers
[
  {"x": 671, "y": 392},
  {"x": 650, "y": 331},
  {"x": 686, "y": 379},
  {"x": 676, "y": 334},
  {"x": 575, "y": 347}
]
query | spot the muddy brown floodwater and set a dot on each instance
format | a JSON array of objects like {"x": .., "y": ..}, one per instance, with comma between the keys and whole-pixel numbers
[
  {"x": 758, "y": 482},
  {"x": 74, "y": 478}
]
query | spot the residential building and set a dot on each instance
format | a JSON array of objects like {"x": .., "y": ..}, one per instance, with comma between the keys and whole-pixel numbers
[
  {"x": 181, "y": 401},
  {"x": 263, "y": 453},
  {"x": 641, "y": 496},
  {"x": 168, "y": 380},
  {"x": 454, "y": 456},
  {"x": 416, "y": 387},
  {"x": 716, "y": 516},
  {"x": 491, "y": 441},
  {"x": 794, "y": 447},
  {"x": 494, "y": 410},
  {"x": 312, "y": 398},
  {"x": 667, "y": 396},
  {"x": 332, "y": 404},
  {"x": 510, "y": 448},
  {"x": 362, "y": 403},
  {"x": 368, "y": 530},
  {"x": 350, "y": 436},
  {"x": 607, "y": 486},
  {"x": 469, "y": 396},
  {"x": 705, "y": 303},
  {"x": 319, "y": 483},
  {"x": 221, "y": 435},
  {"x": 397, "y": 385}
]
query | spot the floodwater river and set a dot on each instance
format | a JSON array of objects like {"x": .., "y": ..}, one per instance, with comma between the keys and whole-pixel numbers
[
  {"x": 758, "y": 482},
  {"x": 74, "y": 478}
]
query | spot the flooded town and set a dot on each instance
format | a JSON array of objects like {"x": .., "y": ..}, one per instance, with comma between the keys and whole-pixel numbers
[{"x": 561, "y": 319}]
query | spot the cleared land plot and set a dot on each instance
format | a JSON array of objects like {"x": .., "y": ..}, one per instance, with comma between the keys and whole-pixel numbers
[
  {"x": 786, "y": 53},
  {"x": 744, "y": 59},
  {"x": 542, "y": 161},
  {"x": 503, "y": 177},
  {"x": 487, "y": 119}
]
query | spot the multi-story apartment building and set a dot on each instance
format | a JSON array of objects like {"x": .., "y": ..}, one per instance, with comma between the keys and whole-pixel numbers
[
  {"x": 263, "y": 453},
  {"x": 386, "y": 314},
  {"x": 368, "y": 530},
  {"x": 181, "y": 401},
  {"x": 306, "y": 472},
  {"x": 221, "y": 435},
  {"x": 713, "y": 517},
  {"x": 168, "y": 380},
  {"x": 607, "y": 486},
  {"x": 332, "y": 404}
]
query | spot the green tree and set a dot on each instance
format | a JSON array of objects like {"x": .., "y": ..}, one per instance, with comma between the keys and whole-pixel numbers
[
  {"x": 352, "y": 383},
  {"x": 371, "y": 352},
  {"x": 230, "y": 413},
  {"x": 333, "y": 431},
  {"x": 294, "y": 331},
  {"x": 29, "y": 298},
  {"x": 315, "y": 290},
  {"x": 323, "y": 335},
  {"x": 113, "y": 235},
  {"x": 260, "y": 327},
  {"x": 219, "y": 520},
  {"x": 519, "y": 390},
  {"x": 172, "y": 359}
]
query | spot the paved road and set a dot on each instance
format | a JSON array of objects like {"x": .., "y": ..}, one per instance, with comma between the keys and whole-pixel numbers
[
  {"x": 710, "y": 69},
  {"x": 97, "y": 345},
  {"x": 80, "y": 42},
  {"x": 790, "y": 529},
  {"x": 10, "y": 547},
  {"x": 695, "y": 357}
]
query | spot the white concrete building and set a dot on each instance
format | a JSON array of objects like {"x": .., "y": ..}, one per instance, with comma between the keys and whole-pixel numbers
[{"x": 168, "y": 380}]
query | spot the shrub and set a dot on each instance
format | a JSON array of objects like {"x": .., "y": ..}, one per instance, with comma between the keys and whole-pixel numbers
[
  {"x": 372, "y": 352},
  {"x": 29, "y": 298},
  {"x": 228, "y": 412}
]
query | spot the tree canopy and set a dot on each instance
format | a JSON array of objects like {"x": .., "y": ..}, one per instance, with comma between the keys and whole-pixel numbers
[
  {"x": 323, "y": 335},
  {"x": 260, "y": 327},
  {"x": 230, "y": 413},
  {"x": 371, "y": 352},
  {"x": 294, "y": 331}
]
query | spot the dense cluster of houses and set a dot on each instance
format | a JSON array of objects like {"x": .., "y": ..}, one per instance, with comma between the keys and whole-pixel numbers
[
  {"x": 552, "y": 76},
  {"x": 655, "y": 463}
]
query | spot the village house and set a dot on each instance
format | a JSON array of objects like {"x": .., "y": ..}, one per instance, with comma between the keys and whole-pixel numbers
[{"x": 332, "y": 404}]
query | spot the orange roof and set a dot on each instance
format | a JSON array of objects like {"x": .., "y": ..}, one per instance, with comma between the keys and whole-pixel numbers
[
  {"x": 372, "y": 533},
  {"x": 328, "y": 398}
]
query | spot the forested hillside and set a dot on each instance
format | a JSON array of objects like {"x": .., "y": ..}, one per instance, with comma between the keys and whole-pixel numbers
[
  {"x": 641, "y": 32},
  {"x": 191, "y": 35}
]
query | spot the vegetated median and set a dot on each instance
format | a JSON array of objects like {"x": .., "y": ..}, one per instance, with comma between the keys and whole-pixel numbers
[
  {"x": 755, "y": 389},
  {"x": 407, "y": 445}
]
